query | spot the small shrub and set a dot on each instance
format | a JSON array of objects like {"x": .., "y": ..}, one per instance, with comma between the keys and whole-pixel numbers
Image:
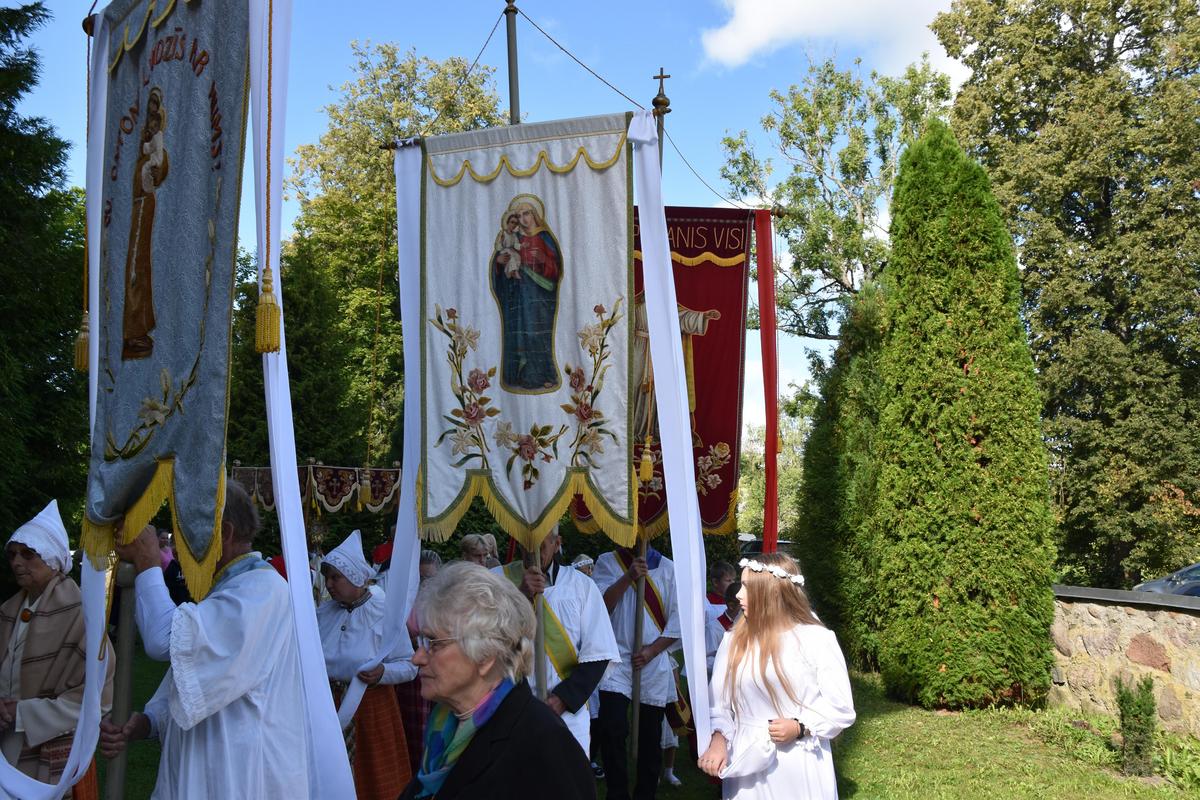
[{"x": 1138, "y": 712}]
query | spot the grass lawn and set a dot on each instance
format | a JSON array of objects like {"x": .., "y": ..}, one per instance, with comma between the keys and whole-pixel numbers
[{"x": 893, "y": 752}]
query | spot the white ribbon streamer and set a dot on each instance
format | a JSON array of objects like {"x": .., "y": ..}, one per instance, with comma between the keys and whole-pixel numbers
[
  {"x": 403, "y": 576},
  {"x": 328, "y": 767},
  {"x": 674, "y": 419},
  {"x": 13, "y": 782}
]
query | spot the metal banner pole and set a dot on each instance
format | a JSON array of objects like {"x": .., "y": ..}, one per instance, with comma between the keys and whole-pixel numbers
[{"x": 514, "y": 87}]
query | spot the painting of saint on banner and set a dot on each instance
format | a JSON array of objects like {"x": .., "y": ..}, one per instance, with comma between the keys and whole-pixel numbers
[
  {"x": 174, "y": 127},
  {"x": 710, "y": 260},
  {"x": 528, "y": 346}
]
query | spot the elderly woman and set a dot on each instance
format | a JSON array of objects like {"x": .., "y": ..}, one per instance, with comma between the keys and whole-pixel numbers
[
  {"x": 487, "y": 735},
  {"x": 42, "y": 647},
  {"x": 473, "y": 548},
  {"x": 351, "y": 624}
]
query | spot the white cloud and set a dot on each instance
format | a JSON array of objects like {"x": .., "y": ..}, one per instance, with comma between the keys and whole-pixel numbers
[{"x": 889, "y": 34}]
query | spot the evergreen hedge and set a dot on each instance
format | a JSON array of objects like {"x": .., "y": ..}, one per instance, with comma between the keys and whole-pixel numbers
[{"x": 961, "y": 522}]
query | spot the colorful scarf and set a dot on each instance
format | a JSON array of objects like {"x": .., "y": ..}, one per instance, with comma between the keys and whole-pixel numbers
[{"x": 446, "y": 737}]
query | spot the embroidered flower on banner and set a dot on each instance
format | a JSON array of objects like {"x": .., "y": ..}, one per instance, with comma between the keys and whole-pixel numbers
[
  {"x": 478, "y": 381},
  {"x": 540, "y": 443},
  {"x": 709, "y": 465},
  {"x": 467, "y": 435},
  {"x": 587, "y": 382}
]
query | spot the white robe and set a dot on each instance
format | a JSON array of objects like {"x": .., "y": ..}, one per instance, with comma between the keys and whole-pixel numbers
[
  {"x": 658, "y": 683},
  {"x": 230, "y": 711},
  {"x": 352, "y": 637},
  {"x": 580, "y": 608},
  {"x": 758, "y": 769}
]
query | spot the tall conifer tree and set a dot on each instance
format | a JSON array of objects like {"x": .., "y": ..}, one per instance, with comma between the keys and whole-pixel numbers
[{"x": 961, "y": 517}]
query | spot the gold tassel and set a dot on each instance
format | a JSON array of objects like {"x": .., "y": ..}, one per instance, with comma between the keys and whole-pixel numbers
[
  {"x": 81, "y": 345},
  {"x": 779, "y": 443},
  {"x": 646, "y": 468},
  {"x": 364, "y": 488},
  {"x": 266, "y": 331}
]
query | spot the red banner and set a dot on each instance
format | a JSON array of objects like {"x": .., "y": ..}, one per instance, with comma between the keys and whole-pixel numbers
[{"x": 710, "y": 255}]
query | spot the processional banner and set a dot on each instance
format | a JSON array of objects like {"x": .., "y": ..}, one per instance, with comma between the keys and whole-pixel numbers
[
  {"x": 527, "y": 275},
  {"x": 710, "y": 249},
  {"x": 177, "y": 78}
]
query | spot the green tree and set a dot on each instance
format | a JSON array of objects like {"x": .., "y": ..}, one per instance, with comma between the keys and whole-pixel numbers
[
  {"x": 347, "y": 222},
  {"x": 961, "y": 518},
  {"x": 841, "y": 137},
  {"x": 837, "y": 492},
  {"x": 752, "y": 481},
  {"x": 43, "y": 400},
  {"x": 1084, "y": 114}
]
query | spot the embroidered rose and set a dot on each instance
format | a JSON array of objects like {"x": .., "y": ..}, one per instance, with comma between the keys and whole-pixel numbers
[
  {"x": 478, "y": 381},
  {"x": 600, "y": 310},
  {"x": 583, "y": 411},
  {"x": 451, "y": 313},
  {"x": 578, "y": 379},
  {"x": 527, "y": 447},
  {"x": 721, "y": 449},
  {"x": 474, "y": 414}
]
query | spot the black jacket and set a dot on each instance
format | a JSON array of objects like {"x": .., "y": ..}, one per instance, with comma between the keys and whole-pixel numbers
[{"x": 524, "y": 752}]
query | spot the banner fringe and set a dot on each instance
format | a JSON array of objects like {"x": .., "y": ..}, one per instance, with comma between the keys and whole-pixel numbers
[
  {"x": 530, "y": 536},
  {"x": 97, "y": 540}
]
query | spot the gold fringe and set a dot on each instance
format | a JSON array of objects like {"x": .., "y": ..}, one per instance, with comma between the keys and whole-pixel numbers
[
  {"x": 97, "y": 540},
  {"x": 81, "y": 345},
  {"x": 364, "y": 488},
  {"x": 528, "y": 535},
  {"x": 662, "y": 523},
  {"x": 266, "y": 327}
]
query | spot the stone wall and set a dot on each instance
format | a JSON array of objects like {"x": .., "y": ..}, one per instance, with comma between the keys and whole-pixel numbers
[{"x": 1101, "y": 635}]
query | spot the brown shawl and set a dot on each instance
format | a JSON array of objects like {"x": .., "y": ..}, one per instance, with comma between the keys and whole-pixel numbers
[{"x": 52, "y": 665}]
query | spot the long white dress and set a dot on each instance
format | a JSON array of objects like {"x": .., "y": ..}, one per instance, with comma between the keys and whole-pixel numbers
[{"x": 758, "y": 769}]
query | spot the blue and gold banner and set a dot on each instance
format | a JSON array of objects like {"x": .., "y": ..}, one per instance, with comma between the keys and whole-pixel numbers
[{"x": 174, "y": 135}]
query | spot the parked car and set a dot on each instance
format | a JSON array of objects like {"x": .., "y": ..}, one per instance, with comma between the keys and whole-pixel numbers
[
  {"x": 754, "y": 547},
  {"x": 1171, "y": 583},
  {"x": 1189, "y": 589}
]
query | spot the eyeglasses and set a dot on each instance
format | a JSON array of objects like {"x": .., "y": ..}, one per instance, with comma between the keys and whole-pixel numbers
[{"x": 431, "y": 646}]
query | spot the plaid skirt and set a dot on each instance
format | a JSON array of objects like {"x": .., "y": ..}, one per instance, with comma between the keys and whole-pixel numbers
[
  {"x": 377, "y": 745},
  {"x": 414, "y": 710}
]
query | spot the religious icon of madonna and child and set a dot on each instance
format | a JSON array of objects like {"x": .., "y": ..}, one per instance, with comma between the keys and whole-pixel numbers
[{"x": 526, "y": 269}]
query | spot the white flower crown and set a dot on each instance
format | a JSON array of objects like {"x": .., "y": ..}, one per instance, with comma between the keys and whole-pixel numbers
[{"x": 777, "y": 571}]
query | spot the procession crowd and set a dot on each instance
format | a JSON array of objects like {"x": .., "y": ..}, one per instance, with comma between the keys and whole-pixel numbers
[{"x": 449, "y": 710}]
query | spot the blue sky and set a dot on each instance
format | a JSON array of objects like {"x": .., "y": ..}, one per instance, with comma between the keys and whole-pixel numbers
[{"x": 724, "y": 57}]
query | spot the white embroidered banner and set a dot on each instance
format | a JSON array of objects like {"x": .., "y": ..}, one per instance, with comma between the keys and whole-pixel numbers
[{"x": 527, "y": 274}]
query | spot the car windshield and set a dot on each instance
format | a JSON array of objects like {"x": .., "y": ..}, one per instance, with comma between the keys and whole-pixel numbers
[{"x": 1187, "y": 573}]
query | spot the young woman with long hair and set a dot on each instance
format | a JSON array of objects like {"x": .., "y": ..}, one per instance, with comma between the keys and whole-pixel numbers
[{"x": 780, "y": 691}]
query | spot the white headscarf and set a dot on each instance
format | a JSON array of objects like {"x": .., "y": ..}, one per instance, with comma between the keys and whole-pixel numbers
[
  {"x": 347, "y": 558},
  {"x": 47, "y": 536}
]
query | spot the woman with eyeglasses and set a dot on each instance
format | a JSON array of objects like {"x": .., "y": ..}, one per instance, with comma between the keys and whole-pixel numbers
[{"x": 487, "y": 735}]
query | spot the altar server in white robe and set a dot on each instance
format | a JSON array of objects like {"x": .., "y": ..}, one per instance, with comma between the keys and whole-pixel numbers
[
  {"x": 230, "y": 712},
  {"x": 353, "y": 632},
  {"x": 616, "y": 575},
  {"x": 780, "y": 692},
  {"x": 579, "y": 638}
]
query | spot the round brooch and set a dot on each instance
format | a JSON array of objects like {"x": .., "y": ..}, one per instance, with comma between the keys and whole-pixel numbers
[{"x": 26, "y": 615}]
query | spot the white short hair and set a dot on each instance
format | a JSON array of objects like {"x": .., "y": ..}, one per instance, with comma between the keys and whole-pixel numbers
[{"x": 484, "y": 613}]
